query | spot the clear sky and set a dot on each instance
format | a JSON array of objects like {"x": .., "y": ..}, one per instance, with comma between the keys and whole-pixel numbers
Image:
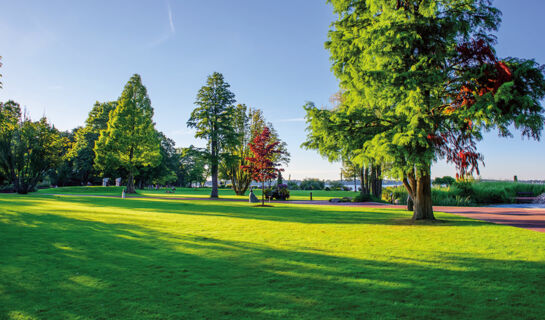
[{"x": 61, "y": 56}]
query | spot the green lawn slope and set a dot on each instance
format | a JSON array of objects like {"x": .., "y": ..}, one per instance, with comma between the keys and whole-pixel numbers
[{"x": 103, "y": 258}]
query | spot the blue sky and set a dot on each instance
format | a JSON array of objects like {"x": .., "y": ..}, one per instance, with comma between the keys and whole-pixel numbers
[{"x": 61, "y": 56}]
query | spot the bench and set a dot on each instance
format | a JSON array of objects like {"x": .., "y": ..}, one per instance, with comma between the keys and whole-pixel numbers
[{"x": 525, "y": 197}]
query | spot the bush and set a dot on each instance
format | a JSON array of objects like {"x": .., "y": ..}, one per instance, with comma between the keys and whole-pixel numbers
[
  {"x": 446, "y": 180},
  {"x": 43, "y": 185},
  {"x": 336, "y": 185},
  {"x": 463, "y": 188},
  {"x": 365, "y": 198},
  {"x": 292, "y": 185},
  {"x": 281, "y": 192},
  {"x": 391, "y": 194},
  {"x": 312, "y": 184},
  {"x": 7, "y": 188}
]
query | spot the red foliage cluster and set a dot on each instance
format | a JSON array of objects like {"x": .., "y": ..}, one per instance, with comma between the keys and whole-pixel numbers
[
  {"x": 459, "y": 149},
  {"x": 262, "y": 167},
  {"x": 458, "y": 146},
  {"x": 477, "y": 54}
]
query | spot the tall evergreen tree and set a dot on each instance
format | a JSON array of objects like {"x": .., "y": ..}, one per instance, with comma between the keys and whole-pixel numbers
[
  {"x": 130, "y": 139},
  {"x": 426, "y": 76},
  {"x": 212, "y": 119}
]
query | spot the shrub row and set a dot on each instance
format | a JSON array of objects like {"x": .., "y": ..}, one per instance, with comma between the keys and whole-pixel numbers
[{"x": 469, "y": 193}]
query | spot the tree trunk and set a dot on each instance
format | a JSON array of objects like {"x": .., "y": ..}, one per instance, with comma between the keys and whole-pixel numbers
[
  {"x": 376, "y": 181},
  {"x": 214, "y": 169},
  {"x": 361, "y": 181},
  {"x": 423, "y": 209},
  {"x": 366, "y": 184},
  {"x": 130, "y": 183},
  {"x": 263, "y": 193}
]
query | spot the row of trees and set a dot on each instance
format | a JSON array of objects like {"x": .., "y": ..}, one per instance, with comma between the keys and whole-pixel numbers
[
  {"x": 228, "y": 130},
  {"x": 420, "y": 81},
  {"x": 119, "y": 139}
]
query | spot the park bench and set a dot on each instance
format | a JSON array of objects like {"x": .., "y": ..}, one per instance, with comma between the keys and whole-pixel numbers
[{"x": 525, "y": 197}]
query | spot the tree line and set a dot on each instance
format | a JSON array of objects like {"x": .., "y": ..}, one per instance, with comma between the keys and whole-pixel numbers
[{"x": 119, "y": 139}]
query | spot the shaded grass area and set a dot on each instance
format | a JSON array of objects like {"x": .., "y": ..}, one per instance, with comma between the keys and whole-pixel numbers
[
  {"x": 196, "y": 193},
  {"x": 81, "y": 258}
]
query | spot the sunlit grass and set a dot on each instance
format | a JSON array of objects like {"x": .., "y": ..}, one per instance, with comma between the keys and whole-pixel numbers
[
  {"x": 87, "y": 257},
  {"x": 195, "y": 193}
]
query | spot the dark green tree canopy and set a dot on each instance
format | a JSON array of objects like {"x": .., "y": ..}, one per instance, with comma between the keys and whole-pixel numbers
[
  {"x": 212, "y": 120},
  {"x": 28, "y": 149},
  {"x": 215, "y": 109}
]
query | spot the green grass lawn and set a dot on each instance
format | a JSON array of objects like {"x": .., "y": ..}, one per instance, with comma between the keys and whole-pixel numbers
[
  {"x": 197, "y": 193},
  {"x": 102, "y": 258}
]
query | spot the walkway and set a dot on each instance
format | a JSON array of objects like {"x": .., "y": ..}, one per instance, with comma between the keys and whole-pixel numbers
[{"x": 528, "y": 218}]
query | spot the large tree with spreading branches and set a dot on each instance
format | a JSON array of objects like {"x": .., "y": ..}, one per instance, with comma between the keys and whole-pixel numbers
[{"x": 425, "y": 76}]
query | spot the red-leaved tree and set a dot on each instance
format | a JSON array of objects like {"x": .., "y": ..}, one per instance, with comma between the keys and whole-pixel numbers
[
  {"x": 480, "y": 73},
  {"x": 261, "y": 166}
]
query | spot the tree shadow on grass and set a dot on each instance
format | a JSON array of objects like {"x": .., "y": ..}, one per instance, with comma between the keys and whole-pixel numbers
[
  {"x": 308, "y": 214},
  {"x": 58, "y": 267}
]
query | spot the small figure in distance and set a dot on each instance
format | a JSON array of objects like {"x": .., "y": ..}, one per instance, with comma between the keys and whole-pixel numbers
[{"x": 252, "y": 197}]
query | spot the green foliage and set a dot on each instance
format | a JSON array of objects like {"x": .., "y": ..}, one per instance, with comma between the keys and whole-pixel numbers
[
  {"x": 130, "y": 140},
  {"x": 248, "y": 123},
  {"x": 212, "y": 121},
  {"x": 364, "y": 197},
  {"x": 470, "y": 193},
  {"x": 312, "y": 184},
  {"x": 403, "y": 72},
  {"x": 82, "y": 153},
  {"x": 446, "y": 180},
  {"x": 280, "y": 192},
  {"x": 336, "y": 185},
  {"x": 165, "y": 171},
  {"x": 396, "y": 194},
  {"x": 292, "y": 185},
  {"x": 192, "y": 166},
  {"x": 28, "y": 149}
]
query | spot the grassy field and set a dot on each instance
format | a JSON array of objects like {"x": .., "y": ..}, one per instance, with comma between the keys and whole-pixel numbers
[
  {"x": 196, "y": 193},
  {"x": 102, "y": 258}
]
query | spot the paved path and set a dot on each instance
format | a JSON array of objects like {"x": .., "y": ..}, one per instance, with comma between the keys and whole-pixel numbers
[{"x": 528, "y": 218}]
